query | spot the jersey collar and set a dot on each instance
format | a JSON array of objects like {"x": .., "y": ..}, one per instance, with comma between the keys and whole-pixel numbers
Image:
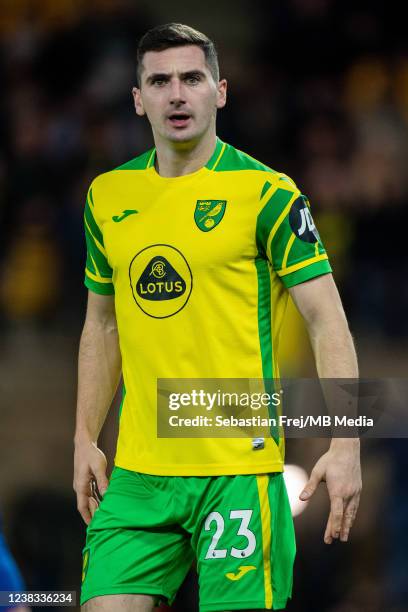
[
  {"x": 216, "y": 156},
  {"x": 210, "y": 165}
]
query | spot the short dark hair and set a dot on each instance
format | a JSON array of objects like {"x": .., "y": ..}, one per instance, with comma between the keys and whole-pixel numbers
[{"x": 163, "y": 37}]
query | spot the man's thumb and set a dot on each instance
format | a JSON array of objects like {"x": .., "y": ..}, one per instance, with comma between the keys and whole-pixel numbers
[
  {"x": 102, "y": 482},
  {"x": 310, "y": 487}
]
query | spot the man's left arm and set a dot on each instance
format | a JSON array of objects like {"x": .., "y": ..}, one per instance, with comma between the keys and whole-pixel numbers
[{"x": 319, "y": 303}]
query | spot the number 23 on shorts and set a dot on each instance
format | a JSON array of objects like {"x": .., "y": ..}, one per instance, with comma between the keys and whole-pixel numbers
[{"x": 246, "y": 551}]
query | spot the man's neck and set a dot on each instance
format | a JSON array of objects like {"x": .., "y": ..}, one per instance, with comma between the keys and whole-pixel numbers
[{"x": 184, "y": 159}]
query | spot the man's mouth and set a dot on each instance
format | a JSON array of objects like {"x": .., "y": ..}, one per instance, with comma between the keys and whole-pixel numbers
[{"x": 179, "y": 119}]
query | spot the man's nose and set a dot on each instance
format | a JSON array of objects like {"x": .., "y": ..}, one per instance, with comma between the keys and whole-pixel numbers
[{"x": 176, "y": 92}]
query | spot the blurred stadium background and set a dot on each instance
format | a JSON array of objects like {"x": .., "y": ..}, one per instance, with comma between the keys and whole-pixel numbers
[{"x": 317, "y": 89}]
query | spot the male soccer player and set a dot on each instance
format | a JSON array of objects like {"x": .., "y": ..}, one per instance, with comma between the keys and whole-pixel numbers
[{"x": 192, "y": 250}]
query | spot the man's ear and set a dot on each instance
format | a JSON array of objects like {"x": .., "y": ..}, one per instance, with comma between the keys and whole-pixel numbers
[
  {"x": 137, "y": 98},
  {"x": 221, "y": 93}
]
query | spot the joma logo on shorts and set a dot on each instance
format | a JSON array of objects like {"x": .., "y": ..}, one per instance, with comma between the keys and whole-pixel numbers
[{"x": 243, "y": 569}]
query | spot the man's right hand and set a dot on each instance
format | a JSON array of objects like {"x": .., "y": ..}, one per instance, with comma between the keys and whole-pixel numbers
[{"x": 89, "y": 467}]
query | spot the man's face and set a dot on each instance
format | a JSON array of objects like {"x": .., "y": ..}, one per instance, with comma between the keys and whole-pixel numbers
[{"x": 178, "y": 94}]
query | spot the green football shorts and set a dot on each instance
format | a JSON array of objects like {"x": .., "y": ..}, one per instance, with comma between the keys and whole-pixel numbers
[{"x": 148, "y": 530}]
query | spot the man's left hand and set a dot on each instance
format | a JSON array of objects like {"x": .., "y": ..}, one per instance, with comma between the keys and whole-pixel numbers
[{"x": 340, "y": 468}]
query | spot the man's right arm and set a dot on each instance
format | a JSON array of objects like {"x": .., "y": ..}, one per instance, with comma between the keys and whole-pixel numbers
[{"x": 99, "y": 371}]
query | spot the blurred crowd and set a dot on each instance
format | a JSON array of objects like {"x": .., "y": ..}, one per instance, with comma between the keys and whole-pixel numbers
[{"x": 317, "y": 89}]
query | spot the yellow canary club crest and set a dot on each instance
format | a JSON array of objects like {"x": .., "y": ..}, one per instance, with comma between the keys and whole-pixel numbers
[
  {"x": 209, "y": 213},
  {"x": 242, "y": 570}
]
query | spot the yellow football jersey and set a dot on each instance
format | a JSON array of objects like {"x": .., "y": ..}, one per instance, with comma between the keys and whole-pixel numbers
[{"x": 199, "y": 265}]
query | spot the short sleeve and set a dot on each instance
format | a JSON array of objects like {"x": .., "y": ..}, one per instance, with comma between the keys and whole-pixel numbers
[
  {"x": 287, "y": 235},
  {"x": 98, "y": 273}
]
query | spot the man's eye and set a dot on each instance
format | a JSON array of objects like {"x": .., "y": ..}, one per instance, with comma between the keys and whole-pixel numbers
[
  {"x": 193, "y": 80},
  {"x": 159, "y": 82}
]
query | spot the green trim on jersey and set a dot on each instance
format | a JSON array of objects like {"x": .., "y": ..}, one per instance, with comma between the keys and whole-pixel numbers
[
  {"x": 138, "y": 163},
  {"x": 265, "y": 189},
  {"x": 277, "y": 242},
  {"x": 269, "y": 216},
  {"x": 224, "y": 158},
  {"x": 99, "y": 266},
  {"x": 310, "y": 270},
  {"x": 97, "y": 287},
  {"x": 216, "y": 156},
  {"x": 233, "y": 159},
  {"x": 98, "y": 273},
  {"x": 264, "y": 315},
  {"x": 122, "y": 400},
  {"x": 146, "y": 160},
  {"x": 265, "y": 332},
  {"x": 89, "y": 219}
]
